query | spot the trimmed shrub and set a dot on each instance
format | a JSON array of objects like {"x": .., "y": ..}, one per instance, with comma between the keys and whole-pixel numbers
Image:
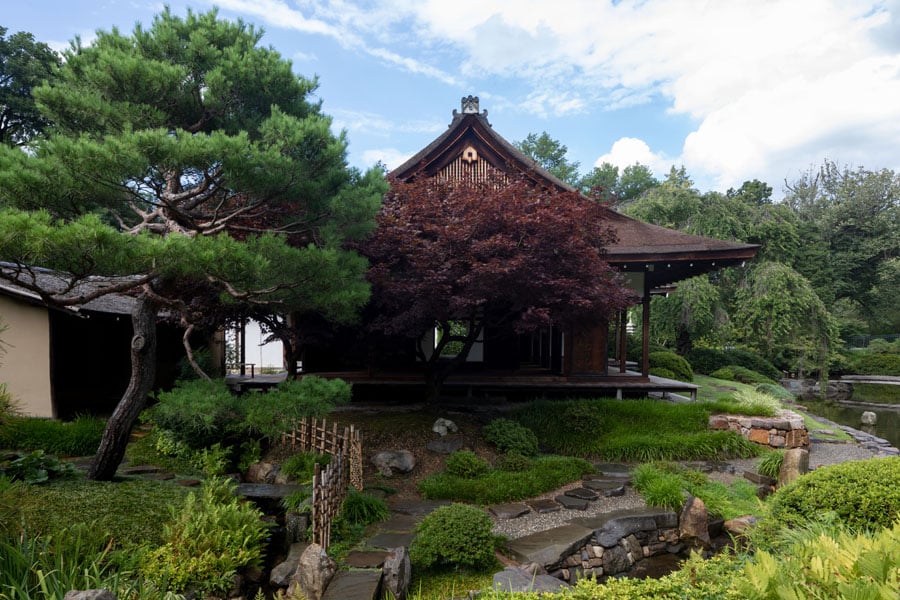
[
  {"x": 862, "y": 494},
  {"x": 510, "y": 436},
  {"x": 741, "y": 374},
  {"x": 515, "y": 462},
  {"x": 754, "y": 362},
  {"x": 661, "y": 372},
  {"x": 454, "y": 536},
  {"x": 674, "y": 363},
  {"x": 877, "y": 364},
  {"x": 709, "y": 360},
  {"x": 466, "y": 464}
]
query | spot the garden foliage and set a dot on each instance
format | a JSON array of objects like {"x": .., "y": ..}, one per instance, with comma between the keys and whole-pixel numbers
[
  {"x": 861, "y": 494},
  {"x": 741, "y": 374},
  {"x": 466, "y": 464},
  {"x": 79, "y": 437},
  {"x": 454, "y": 536},
  {"x": 511, "y": 436},
  {"x": 680, "y": 367}
]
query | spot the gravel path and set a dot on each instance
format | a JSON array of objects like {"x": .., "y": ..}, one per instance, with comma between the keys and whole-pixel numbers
[{"x": 820, "y": 454}]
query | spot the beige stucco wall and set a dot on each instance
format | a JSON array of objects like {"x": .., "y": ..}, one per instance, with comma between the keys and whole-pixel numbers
[{"x": 25, "y": 367}]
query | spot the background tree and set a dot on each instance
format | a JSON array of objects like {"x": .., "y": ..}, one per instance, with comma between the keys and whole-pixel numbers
[
  {"x": 510, "y": 257},
  {"x": 551, "y": 155},
  {"x": 187, "y": 163},
  {"x": 631, "y": 184},
  {"x": 24, "y": 64}
]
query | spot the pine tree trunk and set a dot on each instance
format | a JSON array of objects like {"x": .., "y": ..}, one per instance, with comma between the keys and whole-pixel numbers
[{"x": 143, "y": 371}]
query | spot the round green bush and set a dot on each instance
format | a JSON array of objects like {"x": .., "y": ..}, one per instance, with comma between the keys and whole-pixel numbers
[
  {"x": 466, "y": 464},
  {"x": 510, "y": 436},
  {"x": 863, "y": 494},
  {"x": 754, "y": 362},
  {"x": 674, "y": 363},
  {"x": 877, "y": 364},
  {"x": 661, "y": 372},
  {"x": 583, "y": 416},
  {"x": 515, "y": 462},
  {"x": 707, "y": 360},
  {"x": 454, "y": 536},
  {"x": 741, "y": 374}
]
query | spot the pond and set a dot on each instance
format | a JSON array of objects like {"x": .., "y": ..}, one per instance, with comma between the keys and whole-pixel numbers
[{"x": 888, "y": 425}]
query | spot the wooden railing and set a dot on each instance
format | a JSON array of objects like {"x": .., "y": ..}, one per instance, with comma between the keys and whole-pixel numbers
[{"x": 329, "y": 487}]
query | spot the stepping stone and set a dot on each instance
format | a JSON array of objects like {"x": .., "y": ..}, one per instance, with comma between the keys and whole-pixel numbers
[
  {"x": 549, "y": 547},
  {"x": 158, "y": 476},
  {"x": 399, "y": 523},
  {"x": 582, "y": 493},
  {"x": 266, "y": 491},
  {"x": 140, "y": 470},
  {"x": 572, "y": 503},
  {"x": 189, "y": 482},
  {"x": 366, "y": 559},
  {"x": 610, "y": 470},
  {"x": 606, "y": 487},
  {"x": 509, "y": 511},
  {"x": 391, "y": 539},
  {"x": 355, "y": 585},
  {"x": 416, "y": 507},
  {"x": 543, "y": 506}
]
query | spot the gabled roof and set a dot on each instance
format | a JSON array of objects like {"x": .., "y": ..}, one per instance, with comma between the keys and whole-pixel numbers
[
  {"x": 117, "y": 304},
  {"x": 471, "y": 148}
]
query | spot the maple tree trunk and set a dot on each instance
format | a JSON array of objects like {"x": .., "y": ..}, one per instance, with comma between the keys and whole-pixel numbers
[{"x": 143, "y": 371}]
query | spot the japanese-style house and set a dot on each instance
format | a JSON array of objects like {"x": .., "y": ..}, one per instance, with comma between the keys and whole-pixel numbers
[
  {"x": 65, "y": 362},
  {"x": 651, "y": 258}
]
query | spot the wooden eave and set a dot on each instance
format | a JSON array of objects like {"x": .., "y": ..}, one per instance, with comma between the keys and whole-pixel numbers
[{"x": 663, "y": 255}]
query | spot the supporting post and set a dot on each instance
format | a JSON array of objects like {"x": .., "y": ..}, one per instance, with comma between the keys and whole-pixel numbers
[
  {"x": 645, "y": 332},
  {"x": 622, "y": 334}
]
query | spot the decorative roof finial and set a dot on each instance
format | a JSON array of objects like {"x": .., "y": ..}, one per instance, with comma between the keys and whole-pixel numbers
[{"x": 470, "y": 105}]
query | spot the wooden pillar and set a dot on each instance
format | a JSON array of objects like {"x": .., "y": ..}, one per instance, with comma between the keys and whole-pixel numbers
[
  {"x": 622, "y": 334},
  {"x": 645, "y": 332}
]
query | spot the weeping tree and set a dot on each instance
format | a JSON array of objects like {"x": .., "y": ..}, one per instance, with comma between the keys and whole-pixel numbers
[{"x": 189, "y": 168}]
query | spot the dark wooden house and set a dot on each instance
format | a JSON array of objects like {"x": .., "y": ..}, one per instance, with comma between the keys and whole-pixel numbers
[{"x": 651, "y": 258}]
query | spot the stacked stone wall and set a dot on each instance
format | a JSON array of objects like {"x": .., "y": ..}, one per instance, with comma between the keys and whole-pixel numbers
[{"x": 786, "y": 430}]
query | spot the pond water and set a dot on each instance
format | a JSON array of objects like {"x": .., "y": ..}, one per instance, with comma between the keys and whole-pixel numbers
[{"x": 887, "y": 427}]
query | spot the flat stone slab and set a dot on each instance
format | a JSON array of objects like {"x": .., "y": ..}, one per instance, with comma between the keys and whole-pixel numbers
[
  {"x": 514, "y": 579},
  {"x": 140, "y": 470},
  {"x": 572, "y": 503},
  {"x": 416, "y": 507},
  {"x": 509, "y": 511},
  {"x": 547, "y": 548},
  {"x": 271, "y": 491},
  {"x": 543, "y": 506},
  {"x": 353, "y": 585},
  {"x": 582, "y": 493},
  {"x": 399, "y": 522},
  {"x": 611, "y": 527},
  {"x": 614, "y": 470},
  {"x": 391, "y": 539},
  {"x": 606, "y": 487},
  {"x": 366, "y": 559}
]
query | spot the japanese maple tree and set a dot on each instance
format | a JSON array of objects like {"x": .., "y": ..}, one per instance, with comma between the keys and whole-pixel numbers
[{"x": 489, "y": 254}]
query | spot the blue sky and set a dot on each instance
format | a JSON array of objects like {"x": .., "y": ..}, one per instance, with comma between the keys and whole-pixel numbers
[{"x": 731, "y": 89}]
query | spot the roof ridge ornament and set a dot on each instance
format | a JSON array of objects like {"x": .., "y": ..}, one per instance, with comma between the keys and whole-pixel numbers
[{"x": 469, "y": 106}]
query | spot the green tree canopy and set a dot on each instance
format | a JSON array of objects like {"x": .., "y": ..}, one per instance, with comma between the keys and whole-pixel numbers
[
  {"x": 189, "y": 159},
  {"x": 551, "y": 155},
  {"x": 24, "y": 64}
]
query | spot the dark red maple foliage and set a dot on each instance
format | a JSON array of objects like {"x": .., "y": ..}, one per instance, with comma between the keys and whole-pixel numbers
[{"x": 488, "y": 254}]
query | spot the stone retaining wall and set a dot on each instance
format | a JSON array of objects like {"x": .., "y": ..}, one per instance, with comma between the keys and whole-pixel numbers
[{"x": 786, "y": 430}]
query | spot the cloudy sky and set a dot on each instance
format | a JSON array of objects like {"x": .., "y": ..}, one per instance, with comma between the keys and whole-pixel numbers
[{"x": 731, "y": 89}]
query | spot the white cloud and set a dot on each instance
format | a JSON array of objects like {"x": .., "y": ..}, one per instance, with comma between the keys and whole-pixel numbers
[
  {"x": 390, "y": 157},
  {"x": 372, "y": 123},
  {"x": 627, "y": 151}
]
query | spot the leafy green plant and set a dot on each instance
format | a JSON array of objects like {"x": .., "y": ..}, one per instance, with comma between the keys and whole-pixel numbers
[
  {"x": 658, "y": 487},
  {"x": 300, "y": 466},
  {"x": 680, "y": 367},
  {"x": 877, "y": 364},
  {"x": 213, "y": 461},
  {"x": 708, "y": 360},
  {"x": 466, "y": 464},
  {"x": 770, "y": 464},
  {"x": 454, "y": 536},
  {"x": 510, "y": 436},
  {"x": 828, "y": 561},
  {"x": 250, "y": 452},
  {"x": 861, "y": 494},
  {"x": 145, "y": 451},
  {"x": 209, "y": 539},
  {"x": 668, "y": 485},
  {"x": 294, "y": 400},
  {"x": 9, "y": 407},
  {"x": 363, "y": 509},
  {"x": 299, "y": 501},
  {"x": 36, "y": 467}
]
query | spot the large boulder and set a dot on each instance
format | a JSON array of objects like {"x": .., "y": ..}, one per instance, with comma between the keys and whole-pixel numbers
[
  {"x": 795, "y": 464},
  {"x": 261, "y": 472},
  {"x": 397, "y": 572},
  {"x": 693, "y": 523},
  {"x": 283, "y": 572},
  {"x": 444, "y": 426},
  {"x": 389, "y": 461},
  {"x": 515, "y": 579},
  {"x": 315, "y": 570},
  {"x": 868, "y": 418}
]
